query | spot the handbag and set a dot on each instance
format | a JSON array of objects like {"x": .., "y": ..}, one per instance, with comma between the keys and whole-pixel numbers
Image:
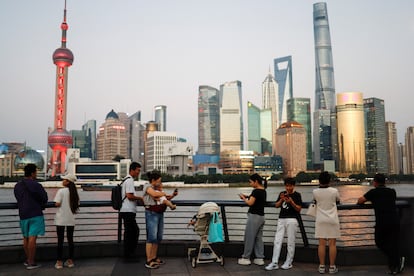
[
  {"x": 311, "y": 210},
  {"x": 215, "y": 229}
]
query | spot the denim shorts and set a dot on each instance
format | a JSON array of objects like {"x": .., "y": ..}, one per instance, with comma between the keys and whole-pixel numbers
[
  {"x": 155, "y": 226},
  {"x": 33, "y": 226}
]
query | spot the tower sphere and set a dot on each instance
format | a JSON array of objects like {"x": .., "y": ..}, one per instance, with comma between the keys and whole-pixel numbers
[
  {"x": 63, "y": 55},
  {"x": 60, "y": 137}
]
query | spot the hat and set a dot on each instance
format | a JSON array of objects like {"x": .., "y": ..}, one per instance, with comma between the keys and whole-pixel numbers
[{"x": 69, "y": 177}]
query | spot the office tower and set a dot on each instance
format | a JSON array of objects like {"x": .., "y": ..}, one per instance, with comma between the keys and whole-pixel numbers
[
  {"x": 409, "y": 149},
  {"x": 160, "y": 112},
  {"x": 112, "y": 140},
  {"x": 376, "y": 149},
  {"x": 135, "y": 136},
  {"x": 60, "y": 139},
  {"x": 351, "y": 132},
  {"x": 231, "y": 116},
  {"x": 157, "y": 158},
  {"x": 208, "y": 120},
  {"x": 253, "y": 128},
  {"x": 324, "y": 140},
  {"x": 81, "y": 142},
  {"x": 266, "y": 135},
  {"x": 392, "y": 148},
  {"x": 402, "y": 158},
  {"x": 283, "y": 77},
  {"x": 298, "y": 109},
  {"x": 90, "y": 129},
  {"x": 150, "y": 126},
  {"x": 291, "y": 146},
  {"x": 270, "y": 100}
]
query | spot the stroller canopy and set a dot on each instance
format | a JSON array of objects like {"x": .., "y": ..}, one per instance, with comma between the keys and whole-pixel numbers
[{"x": 207, "y": 208}]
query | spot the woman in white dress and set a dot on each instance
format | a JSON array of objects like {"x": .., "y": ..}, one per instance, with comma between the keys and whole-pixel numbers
[{"x": 327, "y": 221}]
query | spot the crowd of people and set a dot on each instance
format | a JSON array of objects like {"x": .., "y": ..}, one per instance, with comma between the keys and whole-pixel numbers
[{"x": 32, "y": 199}]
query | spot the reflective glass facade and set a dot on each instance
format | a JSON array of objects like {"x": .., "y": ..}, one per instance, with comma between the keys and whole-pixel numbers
[
  {"x": 392, "y": 148},
  {"x": 208, "y": 120},
  {"x": 270, "y": 101},
  {"x": 266, "y": 131},
  {"x": 324, "y": 148},
  {"x": 253, "y": 126},
  {"x": 283, "y": 77},
  {"x": 376, "y": 146},
  {"x": 160, "y": 112}
]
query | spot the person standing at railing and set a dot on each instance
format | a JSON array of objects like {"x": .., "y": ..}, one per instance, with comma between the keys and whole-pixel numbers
[
  {"x": 253, "y": 234},
  {"x": 31, "y": 200},
  {"x": 290, "y": 204},
  {"x": 128, "y": 213},
  {"x": 387, "y": 223},
  {"x": 67, "y": 201},
  {"x": 154, "y": 218},
  {"x": 327, "y": 221}
]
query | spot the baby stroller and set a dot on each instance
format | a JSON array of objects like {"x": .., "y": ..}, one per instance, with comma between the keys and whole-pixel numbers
[{"x": 201, "y": 222}]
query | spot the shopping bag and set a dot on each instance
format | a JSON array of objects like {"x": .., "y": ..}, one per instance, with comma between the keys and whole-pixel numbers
[
  {"x": 215, "y": 229},
  {"x": 311, "y": 210}
]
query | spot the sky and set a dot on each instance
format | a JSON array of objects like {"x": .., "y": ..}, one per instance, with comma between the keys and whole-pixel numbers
[{"x": 132, "y": 55}]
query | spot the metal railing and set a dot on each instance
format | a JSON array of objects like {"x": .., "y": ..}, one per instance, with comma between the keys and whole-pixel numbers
[{"x": 97, "y": 221}]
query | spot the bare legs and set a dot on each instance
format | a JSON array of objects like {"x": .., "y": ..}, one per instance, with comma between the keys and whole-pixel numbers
[
  {"x": 322, "y": 251},
  {"x": 151, "y": 250},
  {"x": 29, "y": 245}
]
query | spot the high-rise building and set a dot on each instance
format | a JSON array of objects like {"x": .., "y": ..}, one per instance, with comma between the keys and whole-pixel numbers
[
  {"x": 270, "y": 100},
  {"x": 157, "y": 158},
  {"x": 298, "y": 109},
  {"x": 112, "y": 139},
  {"x": 60, "y": 139},
  {"x": 90, "y": 131},
  {"x": 376, "y": 146},
  {"x": 409, "y": 149},
  {"x": 253, "y": 128},
  {"x": 81, "y": 142},
  {"x": 135, "y": 136},
  {"x": 231, "y": 116},
  {"x": 392, "y": 148},
  {"x": 324, "y": 132},
  {"x": 208, "y": 120},
  {"x": 283, "y": 77},
  {"x": 351, "y": 132},
  {"x": 160, "y": 113},
  {"x": 291, "y": 146}
]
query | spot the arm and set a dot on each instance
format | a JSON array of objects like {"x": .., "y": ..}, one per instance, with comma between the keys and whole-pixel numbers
[
  {"x": 154, "y": 193},
  {"x": 292, "y": 203},
  {"x": 249, "y": 201},
  {"x": 171, "y": 196},
  {"x": 362, "y": 200},
  {"x": 279, "y": 200}
]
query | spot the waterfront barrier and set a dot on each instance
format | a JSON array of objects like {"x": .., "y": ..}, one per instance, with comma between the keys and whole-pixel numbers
[{"x": 97, "y": 231}]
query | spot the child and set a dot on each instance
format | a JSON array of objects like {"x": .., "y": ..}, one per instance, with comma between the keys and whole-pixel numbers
[
  {"x": 163, "y": 199},
  {"x": 290, "y": 202}
]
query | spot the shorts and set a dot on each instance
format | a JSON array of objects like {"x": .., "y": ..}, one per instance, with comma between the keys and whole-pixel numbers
[
  {"x": 34, "y": 226},
  {"x": 154, "y": 225}
]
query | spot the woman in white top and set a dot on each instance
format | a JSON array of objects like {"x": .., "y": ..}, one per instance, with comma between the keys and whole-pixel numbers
[
  {"x": 67, "y": 201},
  {"x": 327, "y": 221}
]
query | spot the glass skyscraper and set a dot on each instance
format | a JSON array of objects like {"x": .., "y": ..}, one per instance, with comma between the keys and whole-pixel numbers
[
  {"x": 208, "y": 120},
  {"x": 231, "y": 116},
  {"x": 376, "y": 142},
  {"x": 283, "y": 77},
  {"x": 253, "y": 126},
  {"x": 160, "y": 112},
  {"x": 298, "y": 109},
  {"x": 324, "y": 140},
  {"x": 392, "y": 148},
  {"x": 270, "y": 101}
]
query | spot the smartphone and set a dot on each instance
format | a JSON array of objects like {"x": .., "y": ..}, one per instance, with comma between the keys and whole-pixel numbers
[{"x": 176, "y": 190}]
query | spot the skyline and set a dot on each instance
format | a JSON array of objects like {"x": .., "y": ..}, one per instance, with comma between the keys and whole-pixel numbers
[{"x": 138, "y": 55}]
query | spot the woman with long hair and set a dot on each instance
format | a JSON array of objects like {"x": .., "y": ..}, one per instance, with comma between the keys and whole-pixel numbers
[
  {"x": 67, "y": 203},
  {"x": 253, "y": 235}
]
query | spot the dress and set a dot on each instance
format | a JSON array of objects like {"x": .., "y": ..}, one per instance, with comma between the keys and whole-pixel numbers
[{"x": 327, "y": 221}]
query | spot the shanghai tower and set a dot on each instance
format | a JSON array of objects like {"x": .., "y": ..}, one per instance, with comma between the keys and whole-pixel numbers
[
  {"x": 60, "y": 139},
  {"x": 324, "y": 115}
]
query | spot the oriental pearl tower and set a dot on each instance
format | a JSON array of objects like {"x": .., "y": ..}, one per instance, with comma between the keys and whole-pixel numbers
[{"x": 59, "y": 139}]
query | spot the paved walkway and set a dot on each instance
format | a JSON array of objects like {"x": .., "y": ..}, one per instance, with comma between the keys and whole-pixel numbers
[{"x": 181, "y": 266}]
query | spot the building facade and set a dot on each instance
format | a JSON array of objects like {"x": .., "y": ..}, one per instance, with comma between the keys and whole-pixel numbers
[
  {"x": 270, "y": 100},
  {"x": 283, "y": 77},
  {"x": 157, "y": 158},
  {"x": 237, "y": 161},
  {"x": 135, "y": 136},
  {"x": 90, "y": 131},
  {"x": 324, "y": 140},
  {"x": 253, "y": 128},
  {"x": 409, "y": 150},
  {"x": 392, "y": 148},
  {"x": 376, "y": 145},
  {"x": 160, "y": 115},
  {"x": 351, "y": 133},
  {"x": 208, "y": 120}
]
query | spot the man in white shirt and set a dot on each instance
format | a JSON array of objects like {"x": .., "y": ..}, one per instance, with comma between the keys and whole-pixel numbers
[{"x": 128, "y": 213}]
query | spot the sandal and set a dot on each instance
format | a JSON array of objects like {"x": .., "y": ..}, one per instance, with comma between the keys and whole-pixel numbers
[
  {"x": 158, "y": 261},
  {"x": 321, "y": 269},
  {"x": 151, "y": 265}
]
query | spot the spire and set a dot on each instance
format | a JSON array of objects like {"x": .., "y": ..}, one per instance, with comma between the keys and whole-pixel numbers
[{"x": 64, "y": 28}]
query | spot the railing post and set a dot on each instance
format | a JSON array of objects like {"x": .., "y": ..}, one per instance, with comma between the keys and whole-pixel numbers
[
  {"x": 302, "y": 231},
  {"x": 223, "y": 216},
  {"x": 119, "y": 227}
]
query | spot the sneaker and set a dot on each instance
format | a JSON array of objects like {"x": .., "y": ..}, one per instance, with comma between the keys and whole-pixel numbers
[
  {"x": 33, "y": 266},
  {"x": 333, "y": 269},
  {"x": 286, "y": 266},
  {"x": 402, "y": 263},
  {"x": 58, "y": 265},
  {"x": 272, "y": 266},
  {"x": 321, "y": 269},
  {"x": 243, "y": 261},
  {"x": 25, "y": 263},
  {"x": 258, "y": 262},
  {"x": 69, "y": 263},
  {"x": 151, "y": 265}
]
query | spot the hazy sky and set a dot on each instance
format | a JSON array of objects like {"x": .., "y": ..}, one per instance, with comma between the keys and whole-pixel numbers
[{"x": 131, "y": 55}]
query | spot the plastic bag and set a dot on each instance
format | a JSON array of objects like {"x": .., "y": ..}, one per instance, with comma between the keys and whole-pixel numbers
[{"x": 215, "y": 229}]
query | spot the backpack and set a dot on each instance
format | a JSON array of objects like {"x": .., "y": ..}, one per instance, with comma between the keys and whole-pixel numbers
[{"x": 116, "y": 195}]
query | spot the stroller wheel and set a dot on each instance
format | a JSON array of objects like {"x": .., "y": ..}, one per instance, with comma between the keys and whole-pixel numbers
[
  {"x": 221, "y": 260},
  {"x": 193, "y": 262}
]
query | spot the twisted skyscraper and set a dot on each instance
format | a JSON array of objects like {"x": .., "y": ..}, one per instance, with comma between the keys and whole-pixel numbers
[{"x": 324, "y": 142}]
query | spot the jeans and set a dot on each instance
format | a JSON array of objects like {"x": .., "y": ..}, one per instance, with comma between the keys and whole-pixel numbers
[{"x": 155, "y": 226}]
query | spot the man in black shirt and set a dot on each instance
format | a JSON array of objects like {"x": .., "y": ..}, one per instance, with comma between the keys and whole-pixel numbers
[{"x": 387, "y": 223}]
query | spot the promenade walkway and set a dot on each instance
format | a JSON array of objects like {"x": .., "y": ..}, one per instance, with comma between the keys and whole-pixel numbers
[{"x": 181, "y": 266}]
